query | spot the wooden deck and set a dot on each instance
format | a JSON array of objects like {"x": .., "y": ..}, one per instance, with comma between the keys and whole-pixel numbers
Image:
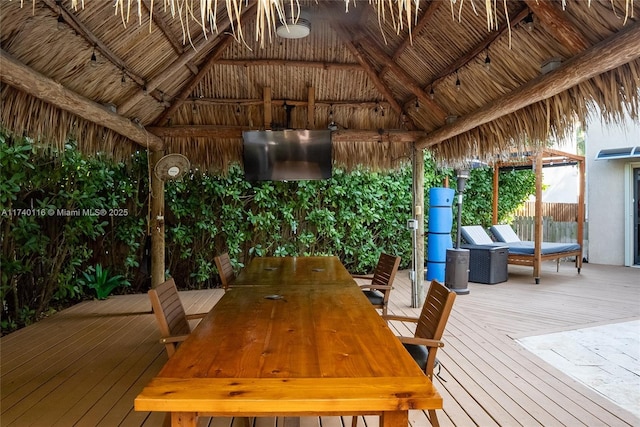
[{"x": 85, "y": 365}]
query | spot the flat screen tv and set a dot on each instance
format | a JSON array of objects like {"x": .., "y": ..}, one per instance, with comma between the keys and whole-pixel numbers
[{"x": 288, "y": 155}]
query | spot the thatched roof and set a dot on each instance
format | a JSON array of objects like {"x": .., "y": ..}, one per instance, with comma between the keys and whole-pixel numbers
[{"x": 165, "y": 83}]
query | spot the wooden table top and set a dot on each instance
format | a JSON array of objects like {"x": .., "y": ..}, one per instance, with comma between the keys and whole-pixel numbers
[
  {"x": 286, "y": 349},
  {"x": 293, "y": 271}
]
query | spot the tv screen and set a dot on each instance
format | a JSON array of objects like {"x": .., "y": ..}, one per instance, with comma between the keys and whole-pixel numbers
[{"x": 288, "y": 155}]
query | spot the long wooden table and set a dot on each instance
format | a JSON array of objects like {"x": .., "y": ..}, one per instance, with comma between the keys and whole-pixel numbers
[{"x": 293, "y": 337}]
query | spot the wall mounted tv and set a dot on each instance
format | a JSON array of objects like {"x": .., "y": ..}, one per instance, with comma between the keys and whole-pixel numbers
[{"x": 287, "y": 155}]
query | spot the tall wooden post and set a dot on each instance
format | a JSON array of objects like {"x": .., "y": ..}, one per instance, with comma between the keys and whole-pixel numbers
[
  {"x": 418, "y": 214},
  {"x": 157, "y": 223},
  {"x": 537, "y": 250},
  {"x": 496, "y": 190},
  {"x": 580, "y": 219}
]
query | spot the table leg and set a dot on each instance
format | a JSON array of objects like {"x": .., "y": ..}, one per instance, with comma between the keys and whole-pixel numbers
[
  {"x": 184, "y": 419},
  {"x": 394, "y": 419}
]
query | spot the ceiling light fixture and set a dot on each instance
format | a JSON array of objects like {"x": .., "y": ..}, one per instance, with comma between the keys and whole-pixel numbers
[
  {"x": 432, "y": 93},
  {"x": 294, "y": 27},
  {"x": 487, "y": 62},
  {"x": 458, "y": 84},
  {"x": 528, "y": 22}
]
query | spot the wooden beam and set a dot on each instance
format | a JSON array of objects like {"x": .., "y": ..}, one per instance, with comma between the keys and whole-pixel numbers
[
  {"x": 71, "y": 20},
  {"x": 424, "y": 20},
  {"x": 473, "y": 53},
  {"x": 303, "y": 103},
  {"x": 339, "y": 66},
  {"x": 554, "y": 21},
  {"x": 361, "y": 57},
  {"x": 172, "y": 69},
  {"x": 204, "y": 70},
  {"x": 609, "y": 54},
  {"x": 266, "y": 97},
  {"x": 18, "y": 75},
  {"x": 223, "y": 43},
  {"x": 311, "y": 108},
  {"x": 405, "y": 79},
  {"x": 235, "y": 132}
]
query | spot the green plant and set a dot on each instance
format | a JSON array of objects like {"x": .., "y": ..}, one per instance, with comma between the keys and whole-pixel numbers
[{"x": 101, "y": 280}]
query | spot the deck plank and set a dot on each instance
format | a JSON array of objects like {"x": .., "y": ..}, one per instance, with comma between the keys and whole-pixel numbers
[{"x": 85, "y": 365}]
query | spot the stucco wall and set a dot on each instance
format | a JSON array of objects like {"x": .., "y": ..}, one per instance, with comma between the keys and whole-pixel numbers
[{"x": 605, "y": 191}]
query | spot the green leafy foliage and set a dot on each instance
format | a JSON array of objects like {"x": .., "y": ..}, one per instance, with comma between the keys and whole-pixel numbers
[
  {"x": 60, "y": 213},
  {"x": 64, "y": 213},
  {"x": 102, "y": 281}
]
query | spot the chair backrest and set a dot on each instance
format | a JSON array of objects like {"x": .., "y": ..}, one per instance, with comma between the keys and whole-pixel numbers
[
  {"x": 475, "y": 235},
  {"x": 504, "y": 233},
  {"x": 434, "y": 316},
  {"x": 225, "y": 270},
  {"x": 384, "y": 275},
  {"x": 169, "y": 312}
]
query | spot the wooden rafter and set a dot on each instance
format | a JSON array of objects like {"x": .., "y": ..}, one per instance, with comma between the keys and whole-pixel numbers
[
  {"x": 235, "y": 132},
  {"x": 71, "y": 20},
  {"x": 556, "y": 23},
  {"x": 420, "y": 25},
  {"x": 290, "y": 63},
  {"x": 405, "y": 79},
  {"x": 611, "y": 53},
  {"x": 223, "y": 43},
  {"x": 22, "y": 77},
  {"x": 164, "y": 27},
  {"x": 475, "y": 51},
  {"x": 280, "y": 102},
  {"x": 359, "y": 53}
]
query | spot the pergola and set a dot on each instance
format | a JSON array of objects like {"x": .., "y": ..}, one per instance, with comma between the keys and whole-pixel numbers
[
  {"x": 546, "y": 157},
  {"x": 393, "y": 78}
]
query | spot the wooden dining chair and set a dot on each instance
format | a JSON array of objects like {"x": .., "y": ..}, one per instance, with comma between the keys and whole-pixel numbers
[
  {"x": 428, "y": 332},
  {"x": 170, "y": 315},
  {"x": 379, "y": 290},
  {"x": 225, "y": 270}
]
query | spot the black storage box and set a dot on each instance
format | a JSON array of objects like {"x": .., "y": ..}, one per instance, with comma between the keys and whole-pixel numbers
[{"x": 488, "y": 263}]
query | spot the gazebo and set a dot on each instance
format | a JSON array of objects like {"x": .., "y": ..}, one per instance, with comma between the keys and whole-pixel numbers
[{"x": 388, "y": 78}]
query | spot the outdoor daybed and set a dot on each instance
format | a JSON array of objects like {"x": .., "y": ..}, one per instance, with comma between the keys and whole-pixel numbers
[{"x": 522, "y": 252}]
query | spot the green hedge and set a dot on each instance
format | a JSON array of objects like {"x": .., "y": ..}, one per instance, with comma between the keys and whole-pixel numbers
[{"x": 75, "y": 227}]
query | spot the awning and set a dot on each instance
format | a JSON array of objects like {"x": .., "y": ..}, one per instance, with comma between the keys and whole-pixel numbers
[{"x": 619, "y": 153}]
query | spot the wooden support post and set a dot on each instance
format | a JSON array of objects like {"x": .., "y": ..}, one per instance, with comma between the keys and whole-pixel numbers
[
  {"x": 266, "y": 97},
  {"x": 580, "y": 219},
  {"x": 496, "y": 189},
  {"x": 537, "y": 249},
  {"x": 157, "y": 223},
  {"x": 418, "y": 214}
]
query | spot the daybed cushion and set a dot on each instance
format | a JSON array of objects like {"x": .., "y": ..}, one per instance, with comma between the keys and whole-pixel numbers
[
  {"x": 504, "y": 233},
  {"x": 527, "y": 248},
  {"x": 475, "y": 235}
]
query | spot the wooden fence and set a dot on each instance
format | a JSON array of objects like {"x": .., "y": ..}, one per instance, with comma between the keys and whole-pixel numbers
[
  {"x": 559, "y": 224},
  {"x": 552, "y": 231},
  {"x": 565, "y": 212}
]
